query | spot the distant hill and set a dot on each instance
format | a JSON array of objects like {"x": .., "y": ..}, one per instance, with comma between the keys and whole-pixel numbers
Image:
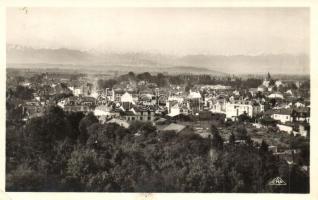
[{"x": 211, "y": 64}]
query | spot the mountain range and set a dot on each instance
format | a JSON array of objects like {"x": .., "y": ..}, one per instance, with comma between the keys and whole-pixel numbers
[{"x": 20, "y": 56}]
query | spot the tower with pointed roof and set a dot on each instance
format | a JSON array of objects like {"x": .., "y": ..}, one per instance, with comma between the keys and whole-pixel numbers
[{"x": 268, "y": 78}]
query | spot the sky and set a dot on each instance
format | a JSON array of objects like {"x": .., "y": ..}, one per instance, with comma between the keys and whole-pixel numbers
[{"x": 177, "y": 31}]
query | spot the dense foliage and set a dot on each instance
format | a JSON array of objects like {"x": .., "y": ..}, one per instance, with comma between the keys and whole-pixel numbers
[{"x": 72, "y": 152}]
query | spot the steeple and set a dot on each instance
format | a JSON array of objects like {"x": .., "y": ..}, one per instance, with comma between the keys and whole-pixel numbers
[{"x": 268, "y": 76}]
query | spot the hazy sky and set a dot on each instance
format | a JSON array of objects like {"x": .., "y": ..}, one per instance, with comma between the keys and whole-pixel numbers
[{"x": 177, "y": 31}]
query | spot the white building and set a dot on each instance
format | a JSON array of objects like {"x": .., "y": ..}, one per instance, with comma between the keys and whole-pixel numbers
[
  {"x": 179, "y": 99},
  {"x": 302, "y": 130},
  {"x": 216, "y": 87},
  {"x": 77, "y": 92},
  {"x": 285, "y": 128},
  {"x": 278, "y": 83},
  {"x": 290, "y": 92},
  {"x": 194, "y": 95},
  {"x": 219, "y": 106},
  {"x": 174, "y": 110},
  {"x": 102, "y": 110},
  {"x": 282, "y": 115},
  {"x": 276, "y": 96},
  {"x": 298, "y": 105},
  {"x": 126, "y": 97},
  {"x": 266, "y": 83},
  {"x": 238, "y": 108}
]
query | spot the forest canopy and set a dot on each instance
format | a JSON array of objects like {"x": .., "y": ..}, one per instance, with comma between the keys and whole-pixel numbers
[{"x": 62, "y": 151}]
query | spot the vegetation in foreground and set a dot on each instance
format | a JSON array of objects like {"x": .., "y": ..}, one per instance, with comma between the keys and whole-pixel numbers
[{"x": 72, "y": 152}]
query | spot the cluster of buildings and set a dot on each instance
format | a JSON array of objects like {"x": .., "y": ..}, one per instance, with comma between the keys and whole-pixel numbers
[{"x": 145, "y": 102}]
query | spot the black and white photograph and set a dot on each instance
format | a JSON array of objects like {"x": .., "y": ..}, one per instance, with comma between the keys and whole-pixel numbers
[{"x": 158, "y": 99}]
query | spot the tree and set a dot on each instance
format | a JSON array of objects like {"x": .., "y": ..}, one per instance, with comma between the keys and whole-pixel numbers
[
  {"x": 132, "y": 75},
  {"x": 292, "y": 140},
  {"x": 144, "y": 128},
  {"x": 263, "y": 147},
  {"x": 160, "y": 80},
  {"x": 86, "y": 122},
  {"x": 241, "y": 133},
  {"x": 43, "y": 132},
  {"x": 273, "y": 102},
  {"x": 268, "y": 121},
  {"x": 188, "y": 87},
  {"x": 146, "y": 76},
  {"x": 24, "y": 178},
  {"x": 294, "y": 115},
  {"x": 232, "y": 139},
  {"x": 23, "y": 93},
  {"x": 103, "y": 84},
  {"x": 244, "y": 117},
  {"x": 217, "y": 140},
  {"x": 74, "y": 119}
]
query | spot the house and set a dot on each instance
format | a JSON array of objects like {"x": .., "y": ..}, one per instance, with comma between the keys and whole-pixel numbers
[
  {"x": 285, "y": 128},
  {"x": 302, "y": 114},
  {"x": 147, "y": 99},
  {"x": 194, "y": 95},
  {"x": 102, "y": 110},
  {"x": 236, "y": 93},
  {"x": 276, "y": 95},
  {"x": 298, "y": 105},
  {"x": 216, "y": 87},
  {"x": 127, "y": 101},
  {"x": 278, "y": 83},
  {"x": 303, "y": 129},
  {"x": 179, "y": 99},
  {"x": 77, "y": 92},
  {"x": 289, "y": 92},
  {"x": 266, "y": 83},
  {"x": 126, "y": 97},
  {"x": 253, "y": 91},
  {"x": 194, "y": 102},
  {"x": 218, "y": 106},
  {"x": 139, "y": 112},
  {"x": 79, "y": 104},
  {"x": 282, "y": 115},
  {"x": 237, "y": 108},
  {"x": 32, "y": 109},
  {"x": 173, "y": 109},
  {"x": 26, "y": 84},
  {"x": 88, "y": 101},
  {"x": 173, "y": 101}
]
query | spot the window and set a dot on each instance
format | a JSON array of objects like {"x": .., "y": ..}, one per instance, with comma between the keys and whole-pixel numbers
[
  {"x": 149, "y": 118},
  {"x": 133, "y": 118},
  {"x": 287, "y": 117},
  {"x": 141, "y": 118}
]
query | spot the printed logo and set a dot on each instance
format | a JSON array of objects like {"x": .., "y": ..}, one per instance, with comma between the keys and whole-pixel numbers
[{"x": 277, "y": 181}]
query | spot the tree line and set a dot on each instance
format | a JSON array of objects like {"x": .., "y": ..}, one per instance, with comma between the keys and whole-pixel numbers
[
  {"x": 62, "y": 151},
  {"x": 162, "y": 80}
]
